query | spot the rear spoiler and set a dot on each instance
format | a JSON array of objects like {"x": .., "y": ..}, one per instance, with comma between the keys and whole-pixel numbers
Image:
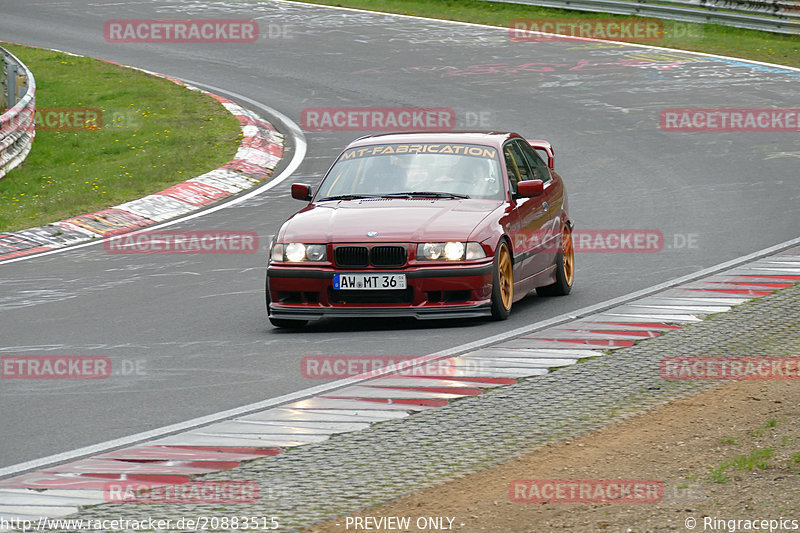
[{"x": 545, "y": 147}]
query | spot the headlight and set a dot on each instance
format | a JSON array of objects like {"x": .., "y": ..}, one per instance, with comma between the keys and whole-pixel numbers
[
  {"x": 296, "y": 252},
  {"x": 315, "y": 252},
  {"x": 449, "y": 251},
  {"x": 453, "y": 251},
  {"x": 430, "y": 251}
]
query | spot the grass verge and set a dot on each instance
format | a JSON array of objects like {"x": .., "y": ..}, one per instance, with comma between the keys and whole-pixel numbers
[
  {"x": 711, "y": 38},
  {"x": 764, "y": 443},
  {"x": 756, "y": 459},
  {"x": 151, "y": 134}
]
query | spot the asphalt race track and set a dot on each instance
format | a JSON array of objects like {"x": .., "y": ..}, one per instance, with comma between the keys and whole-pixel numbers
[{"x": 190, "y": 330}]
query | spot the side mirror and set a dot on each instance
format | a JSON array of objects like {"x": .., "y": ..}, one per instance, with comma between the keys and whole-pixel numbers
[
  {"x": 530, "y": 188},
  {"x": 301, "y": 191},
  {"x": 547, "y": 148}
]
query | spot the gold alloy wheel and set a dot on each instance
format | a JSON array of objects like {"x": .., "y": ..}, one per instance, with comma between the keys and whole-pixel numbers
[
  {"x": 568, "y": 254},
  {"x": 505, "y": 276}
]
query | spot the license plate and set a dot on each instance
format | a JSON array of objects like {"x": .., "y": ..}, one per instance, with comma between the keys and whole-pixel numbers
[{"x": 360, "y": 282}]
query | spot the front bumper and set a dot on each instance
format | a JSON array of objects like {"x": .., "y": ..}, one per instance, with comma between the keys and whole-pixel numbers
[{"x": 448, "y": 291}]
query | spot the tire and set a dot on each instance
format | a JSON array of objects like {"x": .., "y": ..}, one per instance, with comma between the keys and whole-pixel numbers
[
  {"x": 565, "y": 267},
  {"x": 502, "y": 282},
  {"x": 286, "y": 323}
]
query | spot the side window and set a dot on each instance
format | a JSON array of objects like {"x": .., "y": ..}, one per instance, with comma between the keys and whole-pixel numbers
[
  {"x": 539, "y": 167},
  {"x": 516, "y": 166}
]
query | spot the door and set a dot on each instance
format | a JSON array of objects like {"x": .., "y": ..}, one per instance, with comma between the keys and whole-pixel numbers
[
  {"x": 552, "y": 200},
  {"x": 529, "y": 229}
]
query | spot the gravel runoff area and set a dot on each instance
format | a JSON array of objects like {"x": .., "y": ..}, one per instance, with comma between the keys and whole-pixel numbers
[{"x": 353, "y": 471}]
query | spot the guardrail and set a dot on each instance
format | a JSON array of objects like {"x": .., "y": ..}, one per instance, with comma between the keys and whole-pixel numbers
[
  {"x": 775, "y": 16},
  {"x": 17, "y": 123}
]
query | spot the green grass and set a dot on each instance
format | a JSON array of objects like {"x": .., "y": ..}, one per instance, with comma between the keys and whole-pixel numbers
[
  {"x": 757, "y": 459},
  {"x": 751, "y": 44},
  {"x": 154, "y": 134},
  {"x": 717, "y": 475},
  {"x": 761, "y": 430}
]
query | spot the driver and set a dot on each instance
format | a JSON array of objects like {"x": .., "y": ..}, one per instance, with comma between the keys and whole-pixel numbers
[
  {"x": 474, "y": 177},
  {"x": 387, "y": 175}
]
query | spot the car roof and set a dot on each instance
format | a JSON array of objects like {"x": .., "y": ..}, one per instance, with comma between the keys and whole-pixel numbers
[{"x": 490, "y": 138}]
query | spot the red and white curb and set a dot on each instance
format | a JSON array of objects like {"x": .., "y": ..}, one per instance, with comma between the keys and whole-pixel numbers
[
  {"x": 62, "y": 489},
  {"x": 260, "y": 151}
]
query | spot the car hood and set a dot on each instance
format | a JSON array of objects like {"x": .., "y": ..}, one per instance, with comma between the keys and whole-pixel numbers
[{"x": 394, "y": 220}]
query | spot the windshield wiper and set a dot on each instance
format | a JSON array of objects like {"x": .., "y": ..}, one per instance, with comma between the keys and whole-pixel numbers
[
  {"x": 348, "y": 197},
  {"x": 425, "y": 194}
]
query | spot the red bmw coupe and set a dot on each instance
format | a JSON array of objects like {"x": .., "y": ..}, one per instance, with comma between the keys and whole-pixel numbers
[{"x": 427, "y": 225}]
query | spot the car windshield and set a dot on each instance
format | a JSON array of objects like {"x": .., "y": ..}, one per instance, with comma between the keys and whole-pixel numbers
[{"x": 443, "y": 170}]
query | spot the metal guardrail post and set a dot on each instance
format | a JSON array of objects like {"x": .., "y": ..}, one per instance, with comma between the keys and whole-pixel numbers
[
  {"x": 3, "y": 94},
  {"x": 11, "y": 84},
  {"x": 22, "y": 86}
]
